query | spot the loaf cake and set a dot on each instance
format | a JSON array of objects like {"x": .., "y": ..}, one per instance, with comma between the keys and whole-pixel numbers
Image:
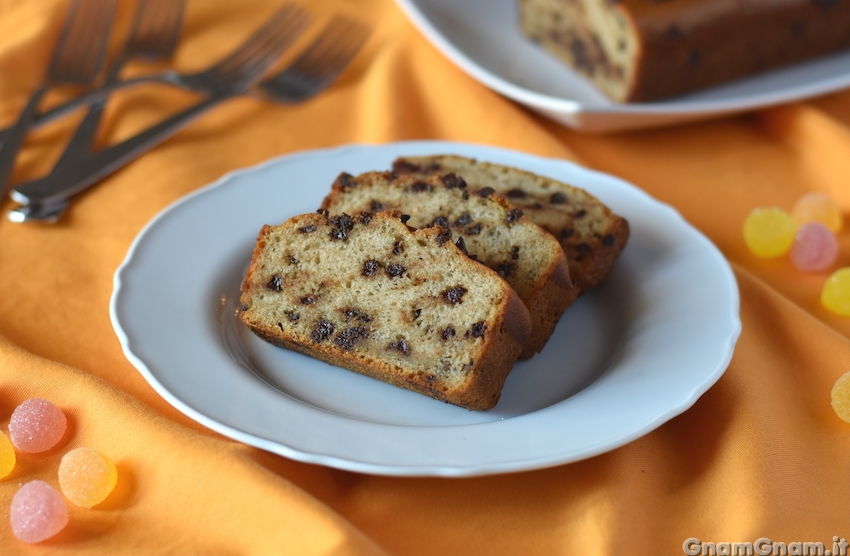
[
  {"x": 486, "y": 225},
  {"x": 366, "y": 293},
  {"x": 645, "y": 50},
  {"x": 591, "y": 235}
]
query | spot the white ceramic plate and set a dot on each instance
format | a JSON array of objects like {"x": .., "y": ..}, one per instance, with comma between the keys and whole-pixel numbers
[
  {"x": 483, "y": 38},
  {"x": 631, "y": 354}
]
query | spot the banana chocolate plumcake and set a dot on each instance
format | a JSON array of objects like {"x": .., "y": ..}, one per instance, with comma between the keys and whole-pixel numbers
[
  {"x": 645, "y": 50},
  {"x": 591, "y": 236},
  {"x": 488, "y": 228},
  {"x": 366, "y": 293}
]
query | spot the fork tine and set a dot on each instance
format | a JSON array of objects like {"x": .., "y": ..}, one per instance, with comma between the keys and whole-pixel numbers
[
  {"x": 332, "y": 51},
  {"x": 286, "y": 16},
  {"x": 261, "y": 58},
  {"x": 156, "y": 28},
  {"x": 81, "y": 51}
]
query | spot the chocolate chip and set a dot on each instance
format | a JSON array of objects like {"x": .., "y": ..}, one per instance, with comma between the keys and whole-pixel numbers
[
  {"x": 608, "y": 240},
  {"x": 584, "y": 248},
  {"x": 581, "y": 56},
  {"x": 504, "y": 269},
  {"x": 404, "y": 218},
  {"x": 351, "y": 313},
  {"x": 323, "y": 212},
  {"x": 516, "y": 193},
  {"x": 275, "y": 284},
  {"x": 513, "y": 215},
  {"x": 346, "y": 181},
  {"x": 376, "y": 206},
  {"x": 405, "y": 167},
  {"x": 566, "y": 233},
  {"x": 475, "y": 230},
  {"x": 350, "y": 336},
  {"x": 293, "y": 260},
  {"x": 293, "y": 316},
  {"x": 444, "y": 236},
  {"x": 416, "y": 313},
  {"x": 447, "y": 332},
  {"x": 395, "y": 270},
  {"x": 694, "y": 57},
  {"x": 580, "y": 214},
  {"x": 420, "y": 187},
  {"x": 400, "y": 345},
  {"x": 398, "y": 247},
  {"x": 440, "y": 221},
  {"x": 341, "y": 225},
  {"x": 308, "y": 300},
  {"x": 461, "y": 244},
  {"x": 476, "y": 330},
  {"x": 674, "y": 33},
  {"x": 453, "y": 181},
  {"x": 366, "y": 217},
  {"x": 307, "y": 229},
  {"x": 322, "y": 331},
  {"x": 454, "y": 295},
  {"x": 515, "y": 253},
  {"x": 370, "y": 267},
  {"x": 558, "y": 198},
  {"x": 463, "y": 219},
  {"x": 485, "y": 192}
]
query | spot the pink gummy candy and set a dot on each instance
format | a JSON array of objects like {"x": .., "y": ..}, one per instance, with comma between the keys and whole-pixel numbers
[
  {"x": 38, "y": 512},
  {"x": 36, "y": 425},
  {"x": 815, "y": 247}
]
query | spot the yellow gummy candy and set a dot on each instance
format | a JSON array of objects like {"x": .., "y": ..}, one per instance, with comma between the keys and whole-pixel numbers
[
  {"x": 818, "y": 207},
  {"x": 7, "y": 456},
  {"x": 841, "y": 397},
  {"x": 769, "y": 232},
  {"x": 835, "y": 294},
  {"x": 86, "y": 476}
]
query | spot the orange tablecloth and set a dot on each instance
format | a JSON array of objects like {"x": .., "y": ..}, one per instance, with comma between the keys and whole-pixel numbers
[{"x": 761, "y": 454}]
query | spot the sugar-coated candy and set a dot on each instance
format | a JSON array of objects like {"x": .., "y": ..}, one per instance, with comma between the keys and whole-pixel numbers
[
  {"x": 835, "y": 294},
  {"x": 818, "y": 207},
  {"x": 38, "y": 512},
  {"x": 86, "y": 476},
  {"x": 769, "y": 232},
  {"x": 7, "y": 456},
  {"x": 815, "y": 247},
  {"x": 841, "y": 397},
  {"x": 36, "y": 425}
]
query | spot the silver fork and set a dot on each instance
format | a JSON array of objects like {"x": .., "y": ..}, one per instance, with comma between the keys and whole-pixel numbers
[
  {"x": 232, "y": 77},
  {"x": 154, "y": 34},
  {"x": 309, "y": 74},
  {"x": 319, "y": 65},
  {"x": 77, "y": 60},
  {"x": 192, "y": 81}
]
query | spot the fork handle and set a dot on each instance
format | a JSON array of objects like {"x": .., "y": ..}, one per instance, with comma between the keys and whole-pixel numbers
[
  {"x": 77, "y": 177},
  {"x": 99, "y": 94},
  {"x": 14, "y": 140}
]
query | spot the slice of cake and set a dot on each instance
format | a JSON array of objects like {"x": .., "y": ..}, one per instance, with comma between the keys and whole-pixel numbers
[
  {"x": 645, "y": 50},
  {"x": 487, "y": 227},
  {"x": 366, "y": 293},
  {"x": 591, "y": 236}
]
